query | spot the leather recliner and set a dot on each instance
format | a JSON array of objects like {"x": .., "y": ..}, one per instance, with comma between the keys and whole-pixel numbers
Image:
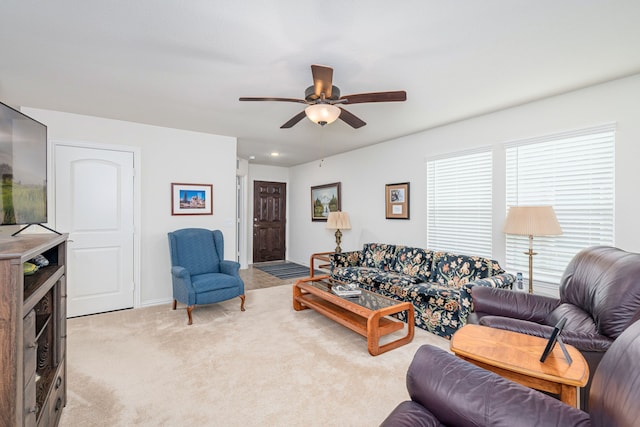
[
  {"x": 448, "y": 391},
  {"x": 599, "y": 297}
]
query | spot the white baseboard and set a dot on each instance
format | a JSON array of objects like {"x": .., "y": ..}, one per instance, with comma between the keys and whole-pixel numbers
[{"x": 150, "y": 303}]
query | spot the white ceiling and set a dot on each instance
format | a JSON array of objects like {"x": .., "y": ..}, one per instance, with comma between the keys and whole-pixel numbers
[{"x": 183, "y": 64}]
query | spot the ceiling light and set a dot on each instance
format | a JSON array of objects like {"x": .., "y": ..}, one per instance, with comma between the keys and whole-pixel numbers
[
  {"x": 322, "y": 114},
  {"x": 274, "y": 154}
]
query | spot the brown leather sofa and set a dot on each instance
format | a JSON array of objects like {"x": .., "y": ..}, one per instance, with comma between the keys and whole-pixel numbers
[
  {"x": 448, "y": 391},
  {"x": 599, "y": 297}
]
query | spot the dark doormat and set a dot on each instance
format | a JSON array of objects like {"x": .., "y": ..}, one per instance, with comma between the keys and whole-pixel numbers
[{"x": 287, "y": 270}]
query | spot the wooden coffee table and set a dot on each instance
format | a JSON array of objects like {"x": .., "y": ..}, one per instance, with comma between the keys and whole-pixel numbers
[
  {"x": 366, "y": 314},
  {"x": 516, "y": 357}
]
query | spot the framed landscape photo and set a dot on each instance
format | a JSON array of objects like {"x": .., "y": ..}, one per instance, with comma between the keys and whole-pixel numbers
[
  {"x": 191, "y": 199},
  {"x": 397, "y": 201},
  {"x": 325, "y": 199}
]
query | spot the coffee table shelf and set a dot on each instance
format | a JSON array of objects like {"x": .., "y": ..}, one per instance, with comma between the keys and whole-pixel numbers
[{"x": 366, "y": 315}]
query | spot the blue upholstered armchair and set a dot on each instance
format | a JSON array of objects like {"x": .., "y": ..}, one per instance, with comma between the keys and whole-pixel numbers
[{"x": 198, "y": 271}]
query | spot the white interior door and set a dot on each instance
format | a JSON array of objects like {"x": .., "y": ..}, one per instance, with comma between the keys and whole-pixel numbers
[{"x": 94, "y": 204}]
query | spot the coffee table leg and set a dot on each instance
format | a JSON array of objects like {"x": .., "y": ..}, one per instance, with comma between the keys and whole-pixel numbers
[
  {"x": 297, "y": 292},
  {"x": 373, "y": 333}
]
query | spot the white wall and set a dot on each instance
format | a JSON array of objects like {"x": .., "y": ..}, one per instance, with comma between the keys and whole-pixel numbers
[
  {"x": 167, "y": 155},
  {"x": 365, "y": 172},
  {"x": 271, "y": 174}
]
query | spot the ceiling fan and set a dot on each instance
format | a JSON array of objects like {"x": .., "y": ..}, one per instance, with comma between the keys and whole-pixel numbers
[{"x": 322, "y": 98}]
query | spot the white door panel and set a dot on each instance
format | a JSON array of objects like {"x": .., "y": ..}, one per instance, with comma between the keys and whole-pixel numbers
[{"x": 94, "y": 204}]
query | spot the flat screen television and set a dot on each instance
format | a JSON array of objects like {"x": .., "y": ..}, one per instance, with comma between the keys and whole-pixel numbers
[{"x": 23, "y": 168}]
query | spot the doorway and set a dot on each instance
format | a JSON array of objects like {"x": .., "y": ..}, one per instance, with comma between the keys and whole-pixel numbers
[
  {"x": 269, "y": 221},
  {"x": 94, "y": 203}
]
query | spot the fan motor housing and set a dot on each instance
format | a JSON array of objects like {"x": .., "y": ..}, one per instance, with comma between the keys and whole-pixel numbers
[{"x": 310, "y": 94}]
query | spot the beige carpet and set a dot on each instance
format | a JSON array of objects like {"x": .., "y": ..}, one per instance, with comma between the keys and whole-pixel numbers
[{"x": 267, "y": 366}]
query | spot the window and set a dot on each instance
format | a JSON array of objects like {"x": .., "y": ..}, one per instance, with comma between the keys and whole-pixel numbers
[
  {"x": 574, "y": 173},
  {"x": 459, "y": 203}
]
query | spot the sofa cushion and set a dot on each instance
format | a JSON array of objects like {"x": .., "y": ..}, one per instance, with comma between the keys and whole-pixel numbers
[
  {"x": 439, "y": 309},
  {"x": 379, "y": 255},
  {"x": 355, "y": 274},
  {"x": 453, "y": 270},
  {"x": 414, "y": 262},
  {"x": 457, "y": 270},
  {"x": 371, "y": 277},
  {"x": 487, "y": 268},
  {"x": 345, "y": 259}
]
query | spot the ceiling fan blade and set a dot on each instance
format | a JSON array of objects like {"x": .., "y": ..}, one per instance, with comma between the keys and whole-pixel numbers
[
  {"x": 351, "y": 119},
  {"x": 248, "y": 98},
  {"x": 360, "y": 98},
  {"x": 322, "y": 80},
  {"x": 295, "y": 119}
]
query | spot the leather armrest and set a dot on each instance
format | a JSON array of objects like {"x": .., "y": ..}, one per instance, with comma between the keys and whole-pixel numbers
[
  {"x": 458, "y": 393},
  {"x": 581, "y": 341},
  {"x": 517, "y": 305},
  {"x": 586, "y": 342},
  {"x": 517, "y": 325},
  {"x": 411, "y": 414}
]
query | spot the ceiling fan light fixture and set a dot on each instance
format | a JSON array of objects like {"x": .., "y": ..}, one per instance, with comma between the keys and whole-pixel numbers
[{"x": 322, "y": 114}]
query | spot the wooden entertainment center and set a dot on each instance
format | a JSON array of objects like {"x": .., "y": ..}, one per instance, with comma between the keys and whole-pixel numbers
[{"x": 33, "y": 331}]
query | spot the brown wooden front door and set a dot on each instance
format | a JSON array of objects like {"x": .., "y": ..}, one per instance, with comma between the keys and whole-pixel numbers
[{"x": 269, "y": 220}]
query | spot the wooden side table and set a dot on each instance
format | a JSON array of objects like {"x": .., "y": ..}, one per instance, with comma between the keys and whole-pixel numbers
[{"x": 516, "y": 357}]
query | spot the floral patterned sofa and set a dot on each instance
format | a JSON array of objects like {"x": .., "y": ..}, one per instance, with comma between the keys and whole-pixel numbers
[{"x": 438, "y": 284}]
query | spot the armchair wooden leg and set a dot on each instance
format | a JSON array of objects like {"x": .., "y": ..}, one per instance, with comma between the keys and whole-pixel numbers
[
  {"x": 242, "y": 303},
  {"x": 189, "y": 310},
  {"x": 175, "y": 304}
]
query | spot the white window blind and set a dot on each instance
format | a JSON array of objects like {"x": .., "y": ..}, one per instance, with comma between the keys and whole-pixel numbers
[
  {"x": 459, "y": 203},
  {"x": 574, "y": 173}
]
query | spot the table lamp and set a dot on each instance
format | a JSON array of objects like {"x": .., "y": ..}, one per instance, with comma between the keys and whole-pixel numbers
[
  {"x": 531, "y": 221},
  {"x": 338, "y": 221}
]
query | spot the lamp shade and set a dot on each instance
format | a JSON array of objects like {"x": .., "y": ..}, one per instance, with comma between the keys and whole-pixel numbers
[
  {"x": 338, "y": 221},
  {"x": 532, "y": 221},
  {"x": 322, "y": 114}
]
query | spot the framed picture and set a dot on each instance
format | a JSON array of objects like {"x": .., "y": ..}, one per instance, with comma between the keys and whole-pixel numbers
[
  {"x": 325, "y": 199},
  {"x": 555, "y": 337},
  {"x": 191, "y": 199},
  {"x": 397, "y": 201}
]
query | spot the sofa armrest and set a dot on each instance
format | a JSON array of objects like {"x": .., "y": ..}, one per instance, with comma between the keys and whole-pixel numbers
[
  {"x": 230, "y": 267},
  {"x": 181, "y": 274},
  {"x": 183, "y": 290},
  {"x": 517, "y": 305},
  {"x": 346, "y": 259},
  {"x": 503, "y": 280},
  {"x": 458, "y": 393}
]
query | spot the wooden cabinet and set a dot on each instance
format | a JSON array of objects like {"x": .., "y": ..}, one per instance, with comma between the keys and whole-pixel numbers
[{"x": 32, "y": 331}]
